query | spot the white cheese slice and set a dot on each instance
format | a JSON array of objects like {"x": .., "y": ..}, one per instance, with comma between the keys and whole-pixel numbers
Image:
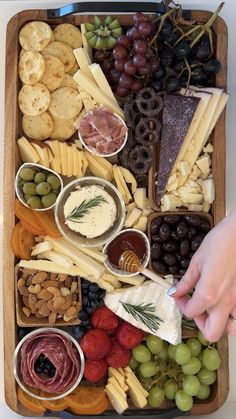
[
  {"x": 115, "y": 383},
  {"x": 149, "y": 293},
  {"x": 118, "y": 402},
  {"x": 48, "y": 266},
  {"x": 184, "y": 168},
  {"x": 191, "y": 198},
  {"x": 69, "y": 160},
  {"x": 94, "y": 254},
  {"x": 195, "y": 207},
  {"x": 130, "y": 373},
  {"x": 102, "y": 82},
  {"x": 170, "y": 202},
  {"x": 111, "y": 279},
  {"x": 204, "y": 164},
  {"x": 64, "y": 158},
  {"x": 209, "y": 147},
  {"x": 43, "y": 155},
  {"x": 55, "y": 164},
  {"x": 195, "y": 173},
  {"x": 41, "y": 248},
  {"x": 136, "y": 394},
  {"x": 27, "y": 152},
  {"x": 83, "y": 62},
  {"x": 91, "y": 87},
  {"x": 133, "y": 217},
  {"x": 132, "y": 280},
  {"x": 223, "y": 101},
  {"x": 57, "y": 258},
  {"x": 85, "y": 43},
  {"x": 112, "y": 372}
]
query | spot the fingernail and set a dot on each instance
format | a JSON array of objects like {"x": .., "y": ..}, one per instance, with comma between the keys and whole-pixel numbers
[{"x": 171, "y": 291}]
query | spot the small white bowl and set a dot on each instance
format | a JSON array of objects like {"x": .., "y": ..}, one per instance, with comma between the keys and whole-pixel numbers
[
  {"x": 100, "y": 154},
  {"x": 119, "y": 272},
  {"x": 19, "y": 192}
]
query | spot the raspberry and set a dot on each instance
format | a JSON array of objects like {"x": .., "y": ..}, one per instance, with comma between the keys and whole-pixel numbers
[
  {"x": 105, "y": 319},
  {"x": 95, "y": 344},
  {"x": 95, "y": 369},
  {"x": 129, "y": 336},
  {"x": 118, "y": 356}
]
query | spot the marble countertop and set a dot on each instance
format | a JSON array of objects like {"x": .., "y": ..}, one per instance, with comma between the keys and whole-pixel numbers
[{"x": 11, "y": 7}]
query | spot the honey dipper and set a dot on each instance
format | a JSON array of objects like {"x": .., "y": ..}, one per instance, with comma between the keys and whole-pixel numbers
[{"x": 130, "y": 262}]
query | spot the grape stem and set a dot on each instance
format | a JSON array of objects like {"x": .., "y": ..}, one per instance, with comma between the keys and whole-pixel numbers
[
  {"x": 162, "y": 21},
  {"x": 187, "y": 34},
  {"x": 207, "y": 25},
  {"x": 189, "y": 73},
  {"x": 164, "y": 374}
]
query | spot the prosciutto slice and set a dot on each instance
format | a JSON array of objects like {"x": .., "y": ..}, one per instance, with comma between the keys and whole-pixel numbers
[
  {"x": 60, "y": 352},
  {"x": 102, "y": 131}
]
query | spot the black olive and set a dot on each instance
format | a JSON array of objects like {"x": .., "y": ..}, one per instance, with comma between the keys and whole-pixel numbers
[
  {"x": 164, "y": 232},
  {"x": 185, "y": 263},
  {"x": 172, "y": 219},
  {"x": 193, "y": 220},
  {"x": 169, "y": 246},
  {"x": 178, "y": 256},
  {"x": 169, "y": 259},
  {"x": 181, "y": 229},
  {"x": 196, "y": 242},
  {"x": 156, "y": 251},
  {"x": 174, "y": 236},
  {"x": 173, "y": 269},
  {"x": 156, "y": 225},
  {"x": 184, "y": 247},
  {"x": 204, "y": 226},
  {"x": 156, "y": 238},
  {"x": 94, "y": 303},
  {"x": 182, "y": 271},
  {"x": 101, "y": 303},
  {"x": 159, "y": 267},
  {"x": 191, "y": 232}
]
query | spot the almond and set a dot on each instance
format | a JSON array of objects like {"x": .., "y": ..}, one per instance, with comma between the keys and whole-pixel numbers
[
  {"x": 49, "y": 283},
  {"x": 23, "y": 291},
  {"x": 74, "y": 287},
  {"x": 21, "y": 282},
  {"x": 58, "y": 302},
  {"x": 25, "y": 300},
  {"x": 39, "y": 304},
  {"x": 39, "y": 277},
  {"x": 44, "y": 310},
  {"x": 65, "y": 291},
  {"x": 68, "y": 282},
  {"x": 62, "y": 277},
  {"x": 71, "y": 312},
  {"x": 45, "y": 295}
]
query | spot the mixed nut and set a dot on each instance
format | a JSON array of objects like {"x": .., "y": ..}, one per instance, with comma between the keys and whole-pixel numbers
[{"x": 49, "y": 295}]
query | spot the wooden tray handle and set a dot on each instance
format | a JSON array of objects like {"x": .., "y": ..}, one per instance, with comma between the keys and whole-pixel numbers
[
  {"x": 160, "y": 413},
  {"x": 110, "y": 7}
]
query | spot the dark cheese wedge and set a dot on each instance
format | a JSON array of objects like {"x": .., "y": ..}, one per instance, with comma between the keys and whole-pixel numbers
[{"x": 178, "y": 113}]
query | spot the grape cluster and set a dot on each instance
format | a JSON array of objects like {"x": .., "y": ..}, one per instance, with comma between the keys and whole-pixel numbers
[{"x": 178, "y": 372}]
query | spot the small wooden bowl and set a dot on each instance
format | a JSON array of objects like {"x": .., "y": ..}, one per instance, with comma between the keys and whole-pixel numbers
[
  {"x": 154, "y": 215},
  {"x": 24, "y": 321}
]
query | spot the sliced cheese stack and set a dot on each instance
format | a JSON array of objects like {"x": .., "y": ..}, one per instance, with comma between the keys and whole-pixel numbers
[
  {"x": 191, "y": 182},
  {"x": 120, "y": 382},
  {"x": 138, "y": 211}
]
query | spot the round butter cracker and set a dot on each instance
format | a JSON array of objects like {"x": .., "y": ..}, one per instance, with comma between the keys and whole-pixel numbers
[
  {"x": 54, "y": 72},
  {"x": 65, "y": 103},
  {"x": 68, "y": 33},
  {"x": 68, "y": 81},
  {"x": 63, "y": 128},
  {"x": 34, "y": 100},
  {"x": 35, "y": 35},
  {"x": 62, "y": 51},
  {"x": 31, "y": 67},
  {"x": 38, "y": 127},
  {"x": 74, "y": 69}
]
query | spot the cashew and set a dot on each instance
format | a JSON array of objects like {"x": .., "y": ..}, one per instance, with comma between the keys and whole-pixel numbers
[
  {"x": 34, "y": 289},
  {"x": 44, "y": 310},
  {"x": 21, "y": 283},
  {"x": 51, "y": 306},
  {"x": 39, "y": 304},
  {"x": 58, "y": 302},
  {"x": 55, "y": 291},
  {"x": 66, "y": 318},
  {"x": 68, "y": 301},
  {"x": 71, "y": 312},
  {"x": 52, "y": 318}
]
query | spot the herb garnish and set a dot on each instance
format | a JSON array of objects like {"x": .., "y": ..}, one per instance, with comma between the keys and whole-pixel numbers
[
  {"x": 144, "y": 313},
  {"x": 87, "y": 204}
]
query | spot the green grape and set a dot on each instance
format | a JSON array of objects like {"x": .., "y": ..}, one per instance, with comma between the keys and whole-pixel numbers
[
  {"x": 49, "y": 199},
  {"x": 171, "y": 351},
  {"x": 148, "y": 369},
  {"x": 202, "y": 338},
  {"x": 27, "y": 173},
  {"x": 154, "y": 344},
  {"x": 156, "y": 396},
  {"x": 206, "y": 377},
  {"x": 204, "y": 392},
  {"x": 21, "y": 184},
  {"x": 182, "y": 354},
  {"x": 211, "y": 359},
  {"x": 29, "y": 188},
  {"x": 54, "y": 182},
  {"x": 194, "y": 346},
  {"x": 39, "y": 177},
  {"x": 34, "y": 202},
  {"x": 162, "y": 365},
  {"x": 183, "y": 401},
  {"x": 171, "y": 388},
  {"x": 164, "y": 352},
  {"x": 146, "y": 383},
  {"x": 133, "y": 364},
  {"x": 191, "y": 385},
  {"x": 141, "y": 353},
  {"x": 192, "y": 367},
  {"x": 43, "y": 188},
  {"x": 200, "y": 356}
]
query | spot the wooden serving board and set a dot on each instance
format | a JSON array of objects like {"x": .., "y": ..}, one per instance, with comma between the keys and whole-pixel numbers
[{"x": 11, "y": 162}]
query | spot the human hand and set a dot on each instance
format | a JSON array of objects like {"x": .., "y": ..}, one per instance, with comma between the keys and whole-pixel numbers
[{"x": 212, "y": 275}]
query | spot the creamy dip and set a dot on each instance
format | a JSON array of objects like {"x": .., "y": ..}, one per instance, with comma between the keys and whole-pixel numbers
[{"x": 97, "y": 220}]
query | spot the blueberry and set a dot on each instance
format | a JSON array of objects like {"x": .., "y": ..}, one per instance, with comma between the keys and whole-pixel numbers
[
  {"x": 89, "y": 310},
  {"x": 86, "y": 322},
  {"x": 101, "y": 293},
  {"x": 94, "y": 287},
  {"x": 89, "y": 327},
  {"x": 79, "y": 332},
  {"x": 92, "y": 295},
  {"x": 83, "y": 315},
  {"x": 85, "y": 284},
  {"x": 85, "y": 301},
  {"x": 93, "y": 304},
  {"x": 85, "y": 291},
  {"x": 101, "y": 303}
]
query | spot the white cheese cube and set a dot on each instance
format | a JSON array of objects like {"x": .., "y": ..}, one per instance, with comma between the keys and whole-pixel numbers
[
  {"x": 209, "y": 148},
  {"x": 195, "y": 207},
  {"x": 184, "y": 168},
  {"x": 206, "y": 206},
  {"x": 195, "y": 173},
  {"x": 133, "y": 217},
  {"x": 208, "y": 190},
  {"x": 170, "y": 202},
  {"x": 204, "y": 163},
  {"x": 140, "y": 197},
  {"x": 192, "y": 198}
]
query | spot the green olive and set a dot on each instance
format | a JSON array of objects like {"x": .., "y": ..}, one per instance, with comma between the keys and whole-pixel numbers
[
  {"x": 29, "y": 188},
  {"x": 34, "y": 202},
  {"x": 39, "y": 177},
  {"x": 43, "y": 188},
  {"x": 49, "y": 199},
  {"x": 27, "y": 173}
]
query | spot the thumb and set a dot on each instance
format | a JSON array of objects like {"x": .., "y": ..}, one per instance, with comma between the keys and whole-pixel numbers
[{"x": 188, "y": 281}]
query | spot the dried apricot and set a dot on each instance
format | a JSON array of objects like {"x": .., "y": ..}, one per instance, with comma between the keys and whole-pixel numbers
[
  {"x": 15, "y": 240},
  {"x": 88, "y": 400},
  {"x": 27, "y": 216},
  {"x": 54, "y": 405},
  {"x": 47, "y": 221},
  {"x": 30, "y": 402}
]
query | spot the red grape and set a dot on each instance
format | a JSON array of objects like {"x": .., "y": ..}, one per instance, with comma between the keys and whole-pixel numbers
[
  {"x": 140, "y": 47},
  {"x": 145, "y": 70},
  {"x": 120, "y": 52},
  {"x": 120, "y": 91},
  {"x": 123, "y": 40},
  {"x": 139, "y": 60},
  {"x": 107, "y": 65},
  {"x": 133, "y": 34},
  {"x": 130, "y": 68},
  {"x": 136, "y": 85},
  {"x": 100, "y": 55},
  {"x": 145, "y": 28},
  {"x": 154, "y": 64},
  {"x": 114, "y": 75},
  {"x": 125, "y": 81},
  {"x": 138, "y": 18},
  {"x": 119, "y": 64}
]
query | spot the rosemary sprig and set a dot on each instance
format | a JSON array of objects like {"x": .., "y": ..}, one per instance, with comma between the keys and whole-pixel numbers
[
  {"x": 144, "y": 313},
  {"x": 80, "y": 211}
]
